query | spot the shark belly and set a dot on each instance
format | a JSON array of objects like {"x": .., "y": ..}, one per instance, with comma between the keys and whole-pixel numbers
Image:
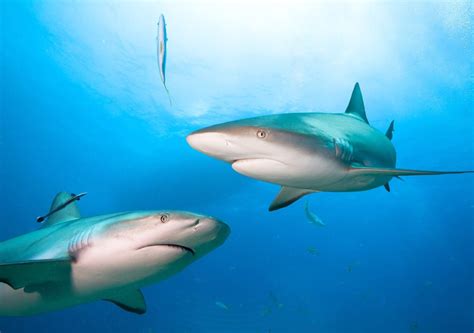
[
  {"x": 353, "y": 183},
  {"x": 320, "y": 173},
  {"x": 114, "y": 265},
  {"x": 314, "y": 172},
  {"x": 96, "y": 273},
  {"x": 356, "y": 181}
]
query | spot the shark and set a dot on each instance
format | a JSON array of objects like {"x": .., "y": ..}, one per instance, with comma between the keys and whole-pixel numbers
[
  {"x": 308, "y": 152},
  {"x": 312, "y": 217},
  {"x": 161, "y": 51},
  {"x": 72, "y": 260}
]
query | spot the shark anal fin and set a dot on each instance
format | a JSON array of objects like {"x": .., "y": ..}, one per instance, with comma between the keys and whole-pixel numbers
[
  {"x": 389, "y": 132},
  {"x": 387, "y": 186},
  {"x": 356, "y": 104},
  {"x": 130, "y": 300},
  {"x": 35, "y": 272},
  {"x": 400, "y": 172},
  {"x": 287, "y": 196}
]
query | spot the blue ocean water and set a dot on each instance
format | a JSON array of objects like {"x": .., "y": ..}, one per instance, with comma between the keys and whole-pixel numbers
[{"x": 83, "y": 109}]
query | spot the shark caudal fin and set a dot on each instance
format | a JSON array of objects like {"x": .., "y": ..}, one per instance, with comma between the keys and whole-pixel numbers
[
  {"x": 356, "y": 104},
  {"x": 389, "y": 132},
  {"x": 63, "y": 208},
  {"x": 287, "y": 196},
  {"x": 400, "y": 172}
]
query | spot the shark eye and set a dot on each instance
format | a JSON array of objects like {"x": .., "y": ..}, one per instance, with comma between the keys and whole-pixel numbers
[
  {"x": 261, "y": 134},
  {"x": 164, "y": 218}
]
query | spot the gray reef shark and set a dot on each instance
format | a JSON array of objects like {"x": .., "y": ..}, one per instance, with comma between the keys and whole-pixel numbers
[
  {"x": 72, "y": 260},
  {"x": 161, "y": 51},
  {"x": 312, "y": 218},
  {"x": 307, "y": 152}
]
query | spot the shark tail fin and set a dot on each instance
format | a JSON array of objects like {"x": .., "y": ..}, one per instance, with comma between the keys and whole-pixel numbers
[
  {"x": 287, "y": 196},
  {"x": 389, "y": 132},
  {"x": 401, "y": 172},
  {"x": 356, "y": 104}
]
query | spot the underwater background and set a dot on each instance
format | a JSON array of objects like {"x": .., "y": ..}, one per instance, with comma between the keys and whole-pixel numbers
[{"x": 83, "y": 109}]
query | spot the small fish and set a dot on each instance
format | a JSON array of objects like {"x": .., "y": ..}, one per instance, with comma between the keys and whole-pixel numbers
[
  {"x": 275, "y": 300},
  {"x": 222, "y": 305},
  {"x": 73, "y": 198},
  {"x": 267, "y": 310},
  {"x": 313, "y": 219},
  {"x": 161, "y": 50},
  {"x": 350, "y": 267},
  {"x": 312, "y": 250},
  {"x": 303, "y": 309}
]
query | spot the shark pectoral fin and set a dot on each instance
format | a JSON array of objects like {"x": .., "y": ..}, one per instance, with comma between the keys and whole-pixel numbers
[
  {"x": 399, "y": 172},
  {"x": 387, "y": 187},
  {"x": 131, "y": 300},
  {"x": 356, "y": 104},
  {"x": 35, "y": 272},
  {"x": 287, "y": 196}
]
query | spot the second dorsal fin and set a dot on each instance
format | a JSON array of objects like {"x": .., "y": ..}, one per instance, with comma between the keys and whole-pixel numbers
[{"x": 356, "y": 104}]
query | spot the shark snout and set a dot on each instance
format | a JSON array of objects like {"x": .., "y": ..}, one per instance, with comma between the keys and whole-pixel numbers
[
  {"x": 208, "y": 234},
  {"x": 223, "y": 231},
  {"x": 218, "y": 229},
  {"x": 211, "y": 143}
]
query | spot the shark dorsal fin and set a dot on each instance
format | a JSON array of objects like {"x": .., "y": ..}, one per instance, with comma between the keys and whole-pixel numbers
[
  {"x": 389, "y": 132},
  {"x": 356, "y": 104},
  {"x": 63, "y": 209}
]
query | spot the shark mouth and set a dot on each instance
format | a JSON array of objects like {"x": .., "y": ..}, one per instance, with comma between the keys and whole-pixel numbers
[
  {"x": 256, "y": 160},
  {"x": 176, "y": 246}
]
